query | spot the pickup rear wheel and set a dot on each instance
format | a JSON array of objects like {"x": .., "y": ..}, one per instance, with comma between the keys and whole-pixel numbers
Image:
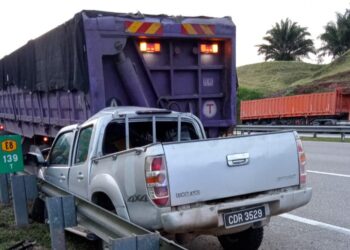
[
  {"x": 103, "y": 201},
  {"x": 248, "y": 240}
]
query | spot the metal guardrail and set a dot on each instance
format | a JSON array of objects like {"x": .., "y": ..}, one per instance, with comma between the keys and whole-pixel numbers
[
  {"x": 106, "y": 225},
  {"x": 342, "y": 130},
  {"x": 302, "y": 129}
]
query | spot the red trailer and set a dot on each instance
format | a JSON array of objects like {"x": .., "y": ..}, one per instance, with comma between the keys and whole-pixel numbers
[{"x": 298, "y": 109}]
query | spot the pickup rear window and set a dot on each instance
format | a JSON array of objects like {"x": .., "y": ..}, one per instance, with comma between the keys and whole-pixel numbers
[{"x": 141, "y": 134}]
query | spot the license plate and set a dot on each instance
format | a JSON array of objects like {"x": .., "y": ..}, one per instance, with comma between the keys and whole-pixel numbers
[{"x": 245, "y": 216}]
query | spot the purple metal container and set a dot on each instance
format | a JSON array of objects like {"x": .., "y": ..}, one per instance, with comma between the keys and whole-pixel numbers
[{"x": 94, "y": 60}]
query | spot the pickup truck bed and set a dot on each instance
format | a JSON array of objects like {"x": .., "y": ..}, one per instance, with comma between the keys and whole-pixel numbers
[{"x": 226, "y": 167}]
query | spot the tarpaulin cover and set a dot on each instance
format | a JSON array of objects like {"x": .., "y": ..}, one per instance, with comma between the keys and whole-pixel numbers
[
  {"x": 53, "y": 61},
  {"x": 2, "y": 75}
]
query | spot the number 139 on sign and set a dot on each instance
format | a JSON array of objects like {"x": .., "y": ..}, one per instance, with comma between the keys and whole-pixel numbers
[{"x": 10, "y": 158}]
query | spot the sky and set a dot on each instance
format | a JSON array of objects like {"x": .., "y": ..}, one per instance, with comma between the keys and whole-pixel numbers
[{"x": 23, "y": 20}]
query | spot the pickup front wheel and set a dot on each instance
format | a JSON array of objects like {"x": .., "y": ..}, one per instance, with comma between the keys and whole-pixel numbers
[{"x": 249, "y": 239}]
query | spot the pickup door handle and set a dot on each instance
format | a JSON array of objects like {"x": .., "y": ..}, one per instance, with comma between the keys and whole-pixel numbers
[
  {"x": 237, "y": 159},
  {"x": 80, "y": 176},
  {"x": 62, "y": 177}
]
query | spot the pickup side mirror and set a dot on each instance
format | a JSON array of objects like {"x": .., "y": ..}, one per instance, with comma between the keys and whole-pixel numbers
[
  {"x": 45, "y": 152},
  {"x": 35, "y": 157}
]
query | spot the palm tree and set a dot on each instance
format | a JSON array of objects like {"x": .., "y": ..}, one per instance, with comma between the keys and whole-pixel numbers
[
  {"x": 286, "y": 42},
  {"x": 336, "y": 38}
]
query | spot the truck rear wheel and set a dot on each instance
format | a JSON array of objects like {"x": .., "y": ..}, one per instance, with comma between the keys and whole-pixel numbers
[{"x": 248, "y": 240}]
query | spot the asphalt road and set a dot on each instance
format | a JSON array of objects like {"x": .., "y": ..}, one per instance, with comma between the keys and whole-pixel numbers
[{"x": 324, "y": 223}]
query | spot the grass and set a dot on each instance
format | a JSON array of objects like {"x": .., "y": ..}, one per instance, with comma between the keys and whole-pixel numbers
[
  {"x": 287, "y": 78},
  {"x": 322, "y": 139},
  {"x": 270, "y": 77},
  {"x": 248, "y": 94},
  {"x": 339, "y": 65},
  {"x": 10, "y": 234}
]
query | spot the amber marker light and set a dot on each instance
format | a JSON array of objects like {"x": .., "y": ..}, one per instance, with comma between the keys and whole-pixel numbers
[
  {"x": 149, "y": 47},
  {"x": 209, "y": 48}
]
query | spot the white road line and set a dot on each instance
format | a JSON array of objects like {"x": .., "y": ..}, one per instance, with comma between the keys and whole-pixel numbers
[
  {"x": 342, "y": 230},
  {"x": 327, "y": 173}
]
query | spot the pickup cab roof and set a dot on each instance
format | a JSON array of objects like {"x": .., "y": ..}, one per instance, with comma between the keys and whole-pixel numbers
[
  {"x": 129, "y": 110},
  {"x": 69, "y": 128},
  {"x": 134, "y": 111},
  {"x": 108, "y": 115}
]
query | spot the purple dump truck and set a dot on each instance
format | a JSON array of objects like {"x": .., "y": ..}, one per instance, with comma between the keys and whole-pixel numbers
[{"x": 100, "y": 59}]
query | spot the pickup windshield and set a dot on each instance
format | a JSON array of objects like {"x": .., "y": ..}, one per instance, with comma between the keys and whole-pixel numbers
[{"x": 141, "y": 133}]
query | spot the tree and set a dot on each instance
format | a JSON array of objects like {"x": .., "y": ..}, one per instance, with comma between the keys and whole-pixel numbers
[
  {"x": 336, "y": 38},
  {"x": 287, "y": 41}
]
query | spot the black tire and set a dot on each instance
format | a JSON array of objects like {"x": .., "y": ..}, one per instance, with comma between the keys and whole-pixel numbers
[
  {"x": 105, "y": 202},
  {"x": 247, "y": 240},
  {"x": 37, "y": 212}
]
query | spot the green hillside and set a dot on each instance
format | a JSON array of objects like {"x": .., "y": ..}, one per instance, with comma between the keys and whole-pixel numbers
[
  {"x": 270, "y": 77},
  {"x": 288, "y": 78}
]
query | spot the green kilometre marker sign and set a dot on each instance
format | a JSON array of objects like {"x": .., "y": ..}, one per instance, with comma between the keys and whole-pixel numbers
[{"x": 11, "y": 159}]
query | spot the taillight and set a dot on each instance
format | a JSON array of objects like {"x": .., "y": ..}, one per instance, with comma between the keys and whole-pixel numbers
[
  {"x": 302, "y": 162},
  {"x": 149, "y": 47},
  {"x": 157, "y": 181},
  {"x": 209, "y": 48},
  {"x": 2, "y": 127}
]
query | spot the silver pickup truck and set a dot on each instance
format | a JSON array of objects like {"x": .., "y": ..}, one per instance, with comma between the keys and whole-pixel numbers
[{"x": 156, "y": 168}]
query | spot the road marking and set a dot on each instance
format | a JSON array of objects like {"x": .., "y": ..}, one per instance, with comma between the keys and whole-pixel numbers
[
  {"x": 327, "y": 173},
  {"x": 342, "y": 230}
]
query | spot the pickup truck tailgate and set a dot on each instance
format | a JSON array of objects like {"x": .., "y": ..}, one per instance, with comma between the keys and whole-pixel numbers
[{"x": 225, "y": 167}]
